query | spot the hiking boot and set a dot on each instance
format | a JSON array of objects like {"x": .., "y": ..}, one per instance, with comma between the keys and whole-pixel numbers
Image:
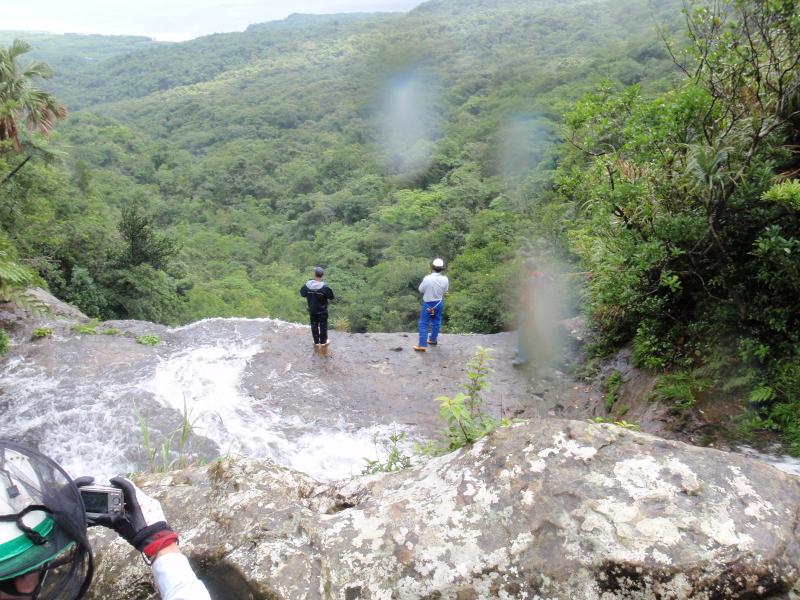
[
  {"x": 432, "y": 343},
  {"x": 420, "y": 348},
  {"x": 325, "y": 343}
]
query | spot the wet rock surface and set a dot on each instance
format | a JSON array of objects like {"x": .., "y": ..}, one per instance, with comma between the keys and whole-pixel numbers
[
  {"x": 377, "y": 376},
  {"x": 258, "y": 388},
  {"x": 251, "y": 387},
  {"x": 544, "y": 509}
]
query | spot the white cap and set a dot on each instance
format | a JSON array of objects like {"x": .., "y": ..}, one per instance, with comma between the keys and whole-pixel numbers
[{"x": 438, "y": 262}]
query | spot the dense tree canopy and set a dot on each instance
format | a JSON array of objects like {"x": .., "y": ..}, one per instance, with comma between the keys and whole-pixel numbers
[
  {"x": 352, "y": 142},
  {"x": 688, "y": 214}
]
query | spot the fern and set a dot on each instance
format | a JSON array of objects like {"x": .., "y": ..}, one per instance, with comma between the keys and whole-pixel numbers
[
  {"x": 762, "y": 394},
  {"x": 680, "y": 389},
  {"x": 13, "y": 276},
  {"x": 738, "y": 382}
]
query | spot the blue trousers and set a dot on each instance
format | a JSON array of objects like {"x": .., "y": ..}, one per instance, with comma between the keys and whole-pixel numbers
[{"x": 430, "y": 322}]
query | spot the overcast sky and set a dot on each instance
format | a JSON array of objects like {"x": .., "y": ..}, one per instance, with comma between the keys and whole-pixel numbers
[{"x": 169, "y": 20}]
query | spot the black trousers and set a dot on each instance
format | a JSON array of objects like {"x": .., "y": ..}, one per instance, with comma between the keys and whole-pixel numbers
[{"x": 319, "y": 328}]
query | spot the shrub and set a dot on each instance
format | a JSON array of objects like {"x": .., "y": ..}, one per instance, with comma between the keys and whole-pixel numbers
[
  {"x": 5, "y": 343},
  {"x": 651, "y": 350},
  {"x": 785, "y": 409},
  {"x": 463, "y": 414},
  {"x": 42, "y": 332}
]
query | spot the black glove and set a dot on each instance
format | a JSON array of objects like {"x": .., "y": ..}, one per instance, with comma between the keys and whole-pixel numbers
[
  {"x": 142, "y": 524},
  {"x": 82, "y": 481}
]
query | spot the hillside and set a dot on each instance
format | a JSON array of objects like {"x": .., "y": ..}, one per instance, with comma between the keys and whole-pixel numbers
[
  {"x": 75, "y": 57},
  {"x": 268, "y": 151}
]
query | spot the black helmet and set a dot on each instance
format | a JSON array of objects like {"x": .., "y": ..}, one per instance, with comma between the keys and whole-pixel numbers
[{"x": 42, "y": 526}]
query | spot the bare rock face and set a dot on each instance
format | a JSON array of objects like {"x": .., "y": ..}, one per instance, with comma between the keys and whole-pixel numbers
[
  {"x": 550, "y": 509},
  {"x": 36, "y": 307}
]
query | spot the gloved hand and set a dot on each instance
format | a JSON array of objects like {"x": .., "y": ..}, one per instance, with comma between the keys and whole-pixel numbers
[
  {"x": 142, "y": 524},
  {"x": 83, "y": 480}
]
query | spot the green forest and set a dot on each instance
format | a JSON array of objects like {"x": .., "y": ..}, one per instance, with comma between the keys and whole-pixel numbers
[{"x": 650, "y": 148}]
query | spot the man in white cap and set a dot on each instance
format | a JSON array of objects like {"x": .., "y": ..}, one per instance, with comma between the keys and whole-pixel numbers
[{"x": 433, "y": 288}]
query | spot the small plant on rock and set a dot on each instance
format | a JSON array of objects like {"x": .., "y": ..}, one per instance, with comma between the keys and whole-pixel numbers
[
  {"x": 42, "y": 332},
  {"x": 149, "y": 340},
  {"x": 396, "y": 460},
  {"x": 89, "y": 328},
  {"x": 173, "y": 452},
  {"x": 5, "y": 343},
  {"x": 464, "y": 413},
  {"x": 612, "y": 384},
  {"x": 219, "y": 469},
  {"x": 617, "y": 422},
  {"x": 342, "y": 324}
]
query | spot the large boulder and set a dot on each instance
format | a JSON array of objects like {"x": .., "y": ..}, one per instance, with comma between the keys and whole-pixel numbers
[{"x": 550, "y": 509}]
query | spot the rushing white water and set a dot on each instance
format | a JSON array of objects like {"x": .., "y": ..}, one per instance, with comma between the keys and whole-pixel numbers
[
  {"x": 77, "y": 399},
  {"x": 205, "y": 382},
  {"x": 786, "y": 463},
  {"x": 83, "y": 423}
]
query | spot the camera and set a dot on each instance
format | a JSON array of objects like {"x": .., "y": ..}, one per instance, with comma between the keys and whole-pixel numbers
[{"x": 101, "y": 501}]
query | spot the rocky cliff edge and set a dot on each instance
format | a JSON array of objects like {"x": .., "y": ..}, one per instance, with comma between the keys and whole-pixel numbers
[{"x": 543, "y": 509}]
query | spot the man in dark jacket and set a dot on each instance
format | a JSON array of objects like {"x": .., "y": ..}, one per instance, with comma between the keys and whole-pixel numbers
[{"x": 317, "y": 293}]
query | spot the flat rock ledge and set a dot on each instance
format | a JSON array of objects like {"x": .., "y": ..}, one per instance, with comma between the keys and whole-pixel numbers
[{"x": 551, "y": 509}]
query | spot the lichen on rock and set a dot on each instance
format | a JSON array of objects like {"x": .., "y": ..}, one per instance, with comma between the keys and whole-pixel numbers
[{"x": 550, "y": 509}]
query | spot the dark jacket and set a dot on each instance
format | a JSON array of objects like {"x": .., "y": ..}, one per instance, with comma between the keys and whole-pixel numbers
[{"x": 317, "y": 294}]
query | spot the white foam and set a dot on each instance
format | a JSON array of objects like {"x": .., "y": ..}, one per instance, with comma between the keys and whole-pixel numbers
[
  {"x": 786, "y": 463},
  {"x": 208, "y": 380},
  {"x": 329, "y": 454},
  {"x": 233, "y": 320},
  {"x": 70, "y": 418}
]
